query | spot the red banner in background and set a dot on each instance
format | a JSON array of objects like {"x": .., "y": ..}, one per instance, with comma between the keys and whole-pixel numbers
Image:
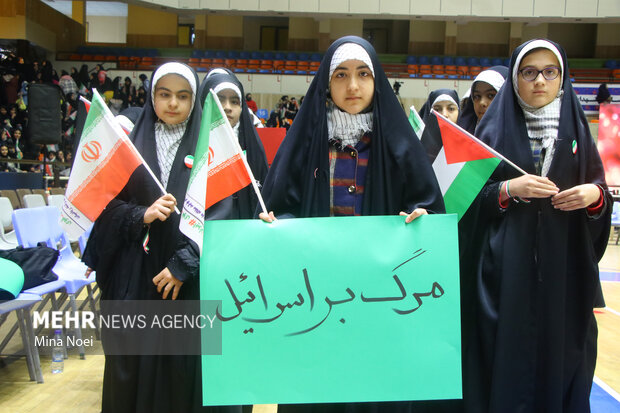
[
  {"x": 609, "y": 142},
  {"x": 271, "y": 138}
]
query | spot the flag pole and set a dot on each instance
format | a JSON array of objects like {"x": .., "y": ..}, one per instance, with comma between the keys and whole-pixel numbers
[
  {"x": 479, "y": 142},
  {"x": 123, "y": 136},
  {"x": 240, "y": 151}
]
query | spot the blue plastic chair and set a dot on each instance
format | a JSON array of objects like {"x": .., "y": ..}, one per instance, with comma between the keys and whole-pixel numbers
[
  {"x": 497, "y": 61},
  {"x": 268, "y": 55},
  {"x": 424, "y": 60},
  {"x": 447, "y": 60},
  {"x": 485, "y": 62},
  {"x": 21, "y": 305},
  {"x": 473, "y": 61},
  {"x": 411, "y": 60},
  {"x": 34, "y": 225}
]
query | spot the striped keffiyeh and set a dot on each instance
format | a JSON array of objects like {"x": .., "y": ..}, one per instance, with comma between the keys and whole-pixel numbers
[
  {"x": 167, "y": 140},
  {"x": 348, "y": 128},
  {"x": 542, "y": 128}
]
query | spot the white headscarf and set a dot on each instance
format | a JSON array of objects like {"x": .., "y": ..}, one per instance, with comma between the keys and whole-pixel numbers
[
  {"x": 228, "y": 85},
  {"x": 177, "y": 69},
  {"x": 444, "y": 98},
  {"x": 491, "y": 77},
  {"x": 350, "y": 51}
]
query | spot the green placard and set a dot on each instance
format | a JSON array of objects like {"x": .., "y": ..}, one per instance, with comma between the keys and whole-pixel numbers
[{"x": 333, "y": 310}]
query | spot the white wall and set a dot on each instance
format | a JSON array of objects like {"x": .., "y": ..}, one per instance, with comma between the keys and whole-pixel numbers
[
  {"x": 107, "y": 29},
  {"x": 448, "y": 8}
]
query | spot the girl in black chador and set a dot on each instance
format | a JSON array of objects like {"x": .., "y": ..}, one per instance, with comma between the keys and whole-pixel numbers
[{"x": 533, "y": 344}]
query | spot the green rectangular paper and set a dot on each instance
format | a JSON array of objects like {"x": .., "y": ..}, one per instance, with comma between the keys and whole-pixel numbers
[{"x": 361, "y": 349}]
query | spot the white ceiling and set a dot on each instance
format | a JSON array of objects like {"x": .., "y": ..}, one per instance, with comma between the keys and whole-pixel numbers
[{"x": 93, "y": 8}]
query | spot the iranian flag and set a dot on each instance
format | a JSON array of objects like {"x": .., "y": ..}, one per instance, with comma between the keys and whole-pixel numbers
[
  {"x": 462, "y": 166},
  {"x": 219, "y": 169},
  {"x": 416, "y": 122},
  {"x": 104, "y": 161}
]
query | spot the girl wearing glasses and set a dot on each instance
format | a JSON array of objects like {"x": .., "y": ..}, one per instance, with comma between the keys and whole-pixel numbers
[{"x": 533, "y": 345}]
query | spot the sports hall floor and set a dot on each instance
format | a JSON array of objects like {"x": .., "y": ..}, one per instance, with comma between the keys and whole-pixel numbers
[{"x": 78, "y": 388}]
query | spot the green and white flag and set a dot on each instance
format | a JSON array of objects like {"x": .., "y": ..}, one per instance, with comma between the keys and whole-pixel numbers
[
  {"x": 462, "y": 166},
  {"x": 416, "y": 122}
]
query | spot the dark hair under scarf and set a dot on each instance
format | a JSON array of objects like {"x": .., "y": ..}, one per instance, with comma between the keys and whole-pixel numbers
[
  {"x": 245, "y": 200},
  {"x": 467, "y": 116},
  {"x": 399, "y": 177},
  {"x": 431, "y": 137},
  {"x": 537, "y": 277}
]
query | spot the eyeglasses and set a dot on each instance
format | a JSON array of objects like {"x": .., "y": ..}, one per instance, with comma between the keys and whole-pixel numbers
[{"x": 530, "y": 73}]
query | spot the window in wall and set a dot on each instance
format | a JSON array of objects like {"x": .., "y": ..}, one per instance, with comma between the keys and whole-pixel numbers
[
  {"x": 273, "y": 38},
  {"x": 387, "y": 36}
]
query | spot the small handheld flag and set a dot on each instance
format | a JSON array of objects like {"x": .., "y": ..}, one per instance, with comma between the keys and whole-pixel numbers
[{"x": 219, "y": 169}]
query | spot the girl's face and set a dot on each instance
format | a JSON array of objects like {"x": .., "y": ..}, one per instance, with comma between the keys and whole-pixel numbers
[
  {"x": 231, "y": 105},
  {"x": 173, "y": 99},
  {"x": 482, "y": 96},
  {"x": 447, "y": 109},
  {"x": 540, "y": 91},
  {"x": 4, "y": 151},
  {"x": 3, "y": 110},
  {"x": 352, "y": 86},
  {"x": 17, "y": 134}
]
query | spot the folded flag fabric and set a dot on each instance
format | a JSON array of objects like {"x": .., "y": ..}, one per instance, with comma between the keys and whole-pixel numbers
[
  {"x": 219, "y": 169},
  {"x": 416, "y": 122},
  {"x": 462, "y": 166},
  {"x": 104, "y": 161}
]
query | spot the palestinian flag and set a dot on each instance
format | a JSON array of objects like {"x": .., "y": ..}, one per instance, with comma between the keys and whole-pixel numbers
[{"x": 462, "y": 166}]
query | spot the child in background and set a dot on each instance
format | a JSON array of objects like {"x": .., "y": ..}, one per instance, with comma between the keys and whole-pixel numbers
[{"x": 483, "y": 90}]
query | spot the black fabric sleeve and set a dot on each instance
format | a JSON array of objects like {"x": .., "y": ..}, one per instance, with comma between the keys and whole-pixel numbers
[{"x": 185, "y": 263}]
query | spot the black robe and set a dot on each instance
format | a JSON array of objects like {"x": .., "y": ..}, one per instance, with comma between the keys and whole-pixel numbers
[
  {"x": 532, "y": 348},
  {"x": 125, "y": 272},
  {"x": 244, "y": 202},
  {"x": 399, "y": 177}
]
